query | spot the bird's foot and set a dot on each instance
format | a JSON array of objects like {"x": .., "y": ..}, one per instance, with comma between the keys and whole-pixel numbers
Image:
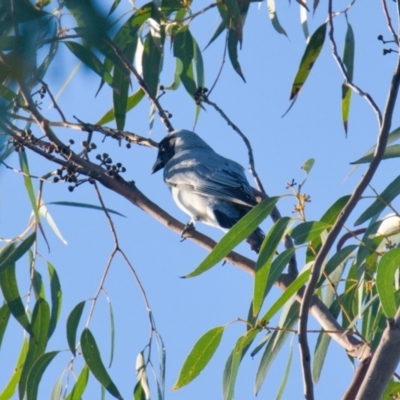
[{"x": 188, "y": 227}]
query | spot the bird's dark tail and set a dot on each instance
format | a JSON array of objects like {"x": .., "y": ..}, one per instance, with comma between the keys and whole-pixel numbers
[{"x": 255, "y": 240}]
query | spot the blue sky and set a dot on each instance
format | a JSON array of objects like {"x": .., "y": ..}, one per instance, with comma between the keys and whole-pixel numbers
[{"x": 184, "y": 309}]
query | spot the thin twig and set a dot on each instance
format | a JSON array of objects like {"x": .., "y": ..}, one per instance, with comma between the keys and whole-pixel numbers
[
  {"x": 384, "y": 128},
  {"x": 197, "y": 13},
  {"x": 222, "y": 65},
  {"x": 54, "y": 101},
  {"x": 389, "y": 22}
]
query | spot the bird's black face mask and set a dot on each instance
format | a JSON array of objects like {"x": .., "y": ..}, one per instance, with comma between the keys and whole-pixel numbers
[{"x": 165, "y": 152}]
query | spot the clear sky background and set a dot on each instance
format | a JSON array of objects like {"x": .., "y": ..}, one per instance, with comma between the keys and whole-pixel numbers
[{"x": 184, "y": 309}]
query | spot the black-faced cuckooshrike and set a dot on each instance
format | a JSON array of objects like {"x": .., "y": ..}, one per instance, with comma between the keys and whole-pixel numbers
[{"x": 206, "y": 186}]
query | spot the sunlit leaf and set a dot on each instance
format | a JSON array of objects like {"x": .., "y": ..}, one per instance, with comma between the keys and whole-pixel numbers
[
  {"x": 384, "y": 281},
  {"x": 236, "y": 234},
  {"x": 72, "y": 325},
  {"x": 311, "y": 54},
  {"x": 199, "y": 356},
  {"x": 385, "y": 198},
  {"x": 390, "y": 152},
  {"x": 348, "y": 60},
  {"x": 264, "y": 261},
  {"x": 56, "y": 393},
  {"x": 308, "y": 231},
  {"x": 307, "y": 166},
  {"x": 80, "y": 385},
  {"x": 36, "y": 373},
  {"x": 273, "y": 16},
  {"x": 92, "y": 357}
]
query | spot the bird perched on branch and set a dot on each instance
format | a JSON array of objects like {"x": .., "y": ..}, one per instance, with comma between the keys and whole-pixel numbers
[{"x": 206, "y": 186}]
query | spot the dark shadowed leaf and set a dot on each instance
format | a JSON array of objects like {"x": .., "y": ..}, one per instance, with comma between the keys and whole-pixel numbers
[
  {"x": 36, "y": 373},
  {"x": 56, "y": 297},
  {"x": 311, "y": 54},
  {"x": 151, "y": 62},
  {"x": 4, "y": 317},
  {"x": 236, "y": 234},
  {"x": 72, "y": 325},
  {"x": 199, "y": 356},
  {"x": 92, "y": 357},
  {"x": 385, "y": 198},
  {"x": 233, "y": 52}
]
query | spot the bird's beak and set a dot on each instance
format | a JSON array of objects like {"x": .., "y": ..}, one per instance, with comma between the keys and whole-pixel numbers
[{"x": 159, "y": 164}]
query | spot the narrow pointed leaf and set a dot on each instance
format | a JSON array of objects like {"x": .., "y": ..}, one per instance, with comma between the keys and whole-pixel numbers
[
  {"x": 348, "y": 60},
  {"x": 221, "y": 27},
  {"x": 274, "y": 345},
  {"x": 199, "y": 356},
  {"x": 36, "y": 373},
  {"x": 92, "y": 357},
  {"x": 85, "y": 205},
  {"x": 384, "y": 281},
  {"x": 85, "y": 55},
  {"x": 198, "y": 62},
  {"x": 72, "y": 325},
  {"x": 4, "y": 318},
  {"x": 385, "y": 198},
  {"x": 231, "y": 371},
  {"x": 233, "y": 52},
  {"x": 264, "y": 261},
  {"x": 80, "y": 385},
  {"x": 9, "y": 390},
  {"x": 56, "y": 297},
  {"x": 56, "y": 393},
  {"x": 308, "y": 231},
  {"x": 138, "y": 392},
  {"x": 12, "y": 253},
  {"x": 23, "y": 161},
  {"x": 390, "y": 152},
  {"x": 44, "y": 212},
  {"x": 273, "y": 16},
  {"x": 9, "y": 288},
  {"x": 286, "y": 375},
  {"x": 132, "y": 102},
  {"x": 151, "y": 63},
  {"x": 236, "y": 234},
  {"x": 311, "y": 54}
]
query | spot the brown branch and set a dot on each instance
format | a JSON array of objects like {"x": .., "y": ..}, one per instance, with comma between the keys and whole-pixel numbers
[{"x": 385, "y": 124}]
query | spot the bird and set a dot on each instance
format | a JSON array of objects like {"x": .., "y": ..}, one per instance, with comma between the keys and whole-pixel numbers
[{"x": 205, "y": 185}]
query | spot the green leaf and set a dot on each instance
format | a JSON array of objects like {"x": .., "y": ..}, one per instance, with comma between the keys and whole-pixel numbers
[
  {"x": 307, "y": 166},
  {"x": 348, "y": 61},
  {"x": 274, "y": 345},
  {"x": 92, "y": 357},
  {"x": 37, "y": 341},
  {"x": 232, "y": 365},
  {"x": 112, "y": 326},
  {"x": 273, "y": 16},
  {"x": 198, "y": 62},
  {"x": 23, "y": 161},
  {"x": 138, "y": 392},
  {"x": 85, "y": 55},
  {"x": 390, "y": 152},
  {"x": 56, "y": 297},
  {"x": 199, "y": 356},
  {"x": 9, "y": 288},
  {"x": 80, "y": 385},
  {"x": 241, "y": 230},
  {"x": 36, "y": 373},
  {"x": 308, "y": 231},
  {"x": 4, "y": 317},
  {"x": 9, "y": 390},
  {"x": 385, "y": 198},
  {"x": 264, "y": 261},
  {"x": 37, "y": 283},
  {"x": 8, "y": 95},
  {"x": 12, "y": 253},
  {"x": 151, "y": 64},
  {"x": 291, "y": 290},
  {"x": 233, "y": 52},
  {"x": 132, "y": 102},
  {"x": 334, "y": 210},
  {"x": 392, "y": 390},
  {"x": 286, "y": 375},
  {"x": 221, "y": 27},
  {"x": 72, "y": 325},
  {"x": 56, "y": 393},
  {"x": 385, "y": 281},
  {"x": 85, "y": 205},
  {"x": 311, "y": 54}
]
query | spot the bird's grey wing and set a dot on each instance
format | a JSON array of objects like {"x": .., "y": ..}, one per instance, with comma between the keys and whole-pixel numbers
[{"x": 221, "y": 178}]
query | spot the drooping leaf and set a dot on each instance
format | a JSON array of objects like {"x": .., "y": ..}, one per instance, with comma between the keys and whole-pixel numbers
[
  {"x": 236, "y": 234},
  {"x": 23, "y": 161},
  {"x": 273, "y": 16},
  {"x": 384, "y": 281},
  {"x": 221, "y": 27},
  {"x": 311, "y": 54},
  {"x": 348, "y": 61},
  {"x": 264, "y": 261},
  {"x": 80, "y": 385},
  {"x": 92, "y": 357},
  {"x": 36, "y": 373},
  {"x": 151, "y": 64},
  {"x": 72, "y": 325},
  {"x": 233, "y": 52},
  {"x": 232, "y": 365},
  {"x": 385, "y": 198},
  {"x": 199, "y": 356},
  {"x": 286, "y": 375},
  {"x": 9, "y": 288},
  {"x": 85, "y": 205},
  {"x": 308, "y": 231},
  {"x": 4, "y": 318},
  {"x": 56, "y": 297}
]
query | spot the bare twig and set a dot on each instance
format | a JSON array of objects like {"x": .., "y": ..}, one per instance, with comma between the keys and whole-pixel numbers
[
  {"x": 389, "y": 22},
  {"x": 222, "y": 65},
  {"x": 54, "y": 101},
  {"x": 384, "y": 129}
]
